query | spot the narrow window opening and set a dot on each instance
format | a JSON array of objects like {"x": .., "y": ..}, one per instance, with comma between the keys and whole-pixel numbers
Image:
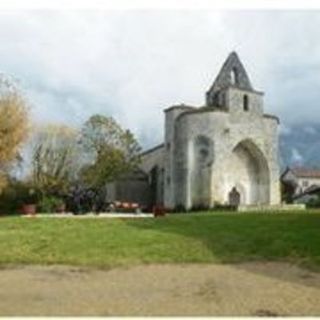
[
  {"x": 245, "y": 103},
  {"x": 234, "y": 76}
]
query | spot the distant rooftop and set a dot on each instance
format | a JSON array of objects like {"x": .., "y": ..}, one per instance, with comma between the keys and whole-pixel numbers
[{"x": 302, "y": 172}]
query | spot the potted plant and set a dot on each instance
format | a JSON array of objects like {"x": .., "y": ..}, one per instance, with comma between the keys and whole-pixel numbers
[
  {"x": 158, "y": 211},
  {"x": 29, "y": 206}
]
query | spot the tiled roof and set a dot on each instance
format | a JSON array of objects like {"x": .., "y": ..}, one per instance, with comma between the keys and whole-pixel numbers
[{"x": 306, "y": 172}]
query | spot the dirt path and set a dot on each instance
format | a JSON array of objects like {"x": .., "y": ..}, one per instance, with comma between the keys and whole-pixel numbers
[{"x": 245, "y": 289}]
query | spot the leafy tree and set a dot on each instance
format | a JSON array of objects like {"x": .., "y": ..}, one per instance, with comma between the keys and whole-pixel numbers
[
  {"x": 111, "y": 151},
  {"x": 55, "y": 158},
  {"x": 14, "y": 125}
]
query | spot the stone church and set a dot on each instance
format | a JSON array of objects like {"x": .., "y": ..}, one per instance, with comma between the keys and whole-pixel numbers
[{"x": 225, "y": 152}]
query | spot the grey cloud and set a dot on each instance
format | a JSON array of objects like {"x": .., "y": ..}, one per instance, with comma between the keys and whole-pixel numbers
[{"x": 133, "y": 64}]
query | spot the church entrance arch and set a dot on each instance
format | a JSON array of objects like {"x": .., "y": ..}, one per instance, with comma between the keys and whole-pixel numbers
[{"x": 249, "y": 169}]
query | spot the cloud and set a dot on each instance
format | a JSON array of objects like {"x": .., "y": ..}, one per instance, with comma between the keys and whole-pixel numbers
[
  {"x": 310, "y": 130},
  {"x": 285, "y": 130},
  {"x": 282, "y": 58},
  {"x": 296, "y": 156},
  {"x": 133, "y": 64}
]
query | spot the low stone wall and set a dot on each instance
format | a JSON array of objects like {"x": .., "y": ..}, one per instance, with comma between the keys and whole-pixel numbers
[{"x": 280, "y": 207}]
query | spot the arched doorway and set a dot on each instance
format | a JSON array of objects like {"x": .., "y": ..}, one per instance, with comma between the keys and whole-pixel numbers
[{"x": 249, "y": 174}]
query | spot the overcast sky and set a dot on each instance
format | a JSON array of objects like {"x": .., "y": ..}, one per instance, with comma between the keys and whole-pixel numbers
[{"x": 133, "y": 64}]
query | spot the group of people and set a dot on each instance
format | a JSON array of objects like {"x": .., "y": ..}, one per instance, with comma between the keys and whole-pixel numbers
[{"x": 82, "y": 200}]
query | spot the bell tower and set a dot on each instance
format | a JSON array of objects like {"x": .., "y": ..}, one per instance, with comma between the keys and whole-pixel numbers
[{"x": 232, "y": 89}]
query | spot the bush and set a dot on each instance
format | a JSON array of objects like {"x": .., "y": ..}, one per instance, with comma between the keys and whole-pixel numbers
[
  {"x": 223, "y": 207},
  {"x": 314, "y": 202},
  {"x": 49, "y": 204},
  {"x": 15, "y": 195}
]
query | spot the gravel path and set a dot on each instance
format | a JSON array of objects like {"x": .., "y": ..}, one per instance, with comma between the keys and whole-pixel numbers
[{"x": 266, "y": 289}]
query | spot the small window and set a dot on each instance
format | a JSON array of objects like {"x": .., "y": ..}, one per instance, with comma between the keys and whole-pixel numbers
[
  {"x": 305, "y": 183},
  {"x": 245, "y": 103},
  {"x": 168, "y": 146}
]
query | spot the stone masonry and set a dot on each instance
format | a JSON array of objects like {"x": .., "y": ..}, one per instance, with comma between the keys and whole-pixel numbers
[{"x": 225, "y": 152}]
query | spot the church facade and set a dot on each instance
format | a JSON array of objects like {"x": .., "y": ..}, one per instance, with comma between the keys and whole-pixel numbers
[{"x": 225, "y": 152}]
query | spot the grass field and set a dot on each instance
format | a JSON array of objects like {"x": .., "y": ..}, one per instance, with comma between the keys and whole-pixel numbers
[{"x": 201, "y": 237}]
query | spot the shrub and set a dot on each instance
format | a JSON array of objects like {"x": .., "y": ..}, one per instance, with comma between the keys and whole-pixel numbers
[
  {"x": 313, "y": 202},
  {"x": 15, "y": 195},
  {"x": 49, "y": 204},
  {"x": 223, "y": 207}
]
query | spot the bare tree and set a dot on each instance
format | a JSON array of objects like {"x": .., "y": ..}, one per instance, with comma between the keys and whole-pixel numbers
[{"x": 54, "y": 158}]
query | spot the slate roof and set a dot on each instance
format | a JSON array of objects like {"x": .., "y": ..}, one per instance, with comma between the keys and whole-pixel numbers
[
  {"x": 159, "y": 146},
  {"x": 224, "y": 80}
]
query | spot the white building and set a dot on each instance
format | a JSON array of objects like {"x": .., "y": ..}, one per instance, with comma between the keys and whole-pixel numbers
[
  {"x": 301, "y": 179},
  {"x": 225, "y": 151}
]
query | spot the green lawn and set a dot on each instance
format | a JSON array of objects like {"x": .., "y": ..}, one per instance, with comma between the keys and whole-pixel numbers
[{"x": 205, "y": 237}]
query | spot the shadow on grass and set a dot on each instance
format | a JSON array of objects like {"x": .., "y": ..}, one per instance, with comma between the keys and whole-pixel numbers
[{"x": 239, "y": 238}]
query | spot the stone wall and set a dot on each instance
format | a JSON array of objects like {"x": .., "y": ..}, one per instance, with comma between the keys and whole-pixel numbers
[
  {"x": 129, "y": 190},
  {"x": 226, "y": 130},
  {"x": 151, "y": 158},
  {"x": 171, "y": 114},
  {"x": 152, "y": 163},
  {"x": 227, "y": 145}
]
